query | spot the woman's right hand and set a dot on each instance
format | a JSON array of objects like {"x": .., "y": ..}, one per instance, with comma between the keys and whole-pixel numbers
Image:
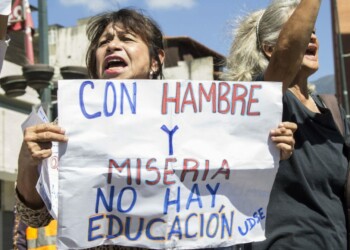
[
  {"x": 38, "y": 140},
  {"x": 36, "y": 146}
]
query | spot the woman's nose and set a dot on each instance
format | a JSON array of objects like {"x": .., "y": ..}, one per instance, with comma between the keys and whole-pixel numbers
[
  {"x": 313, "y": 37},
  {"x": 113, "y": 45}
]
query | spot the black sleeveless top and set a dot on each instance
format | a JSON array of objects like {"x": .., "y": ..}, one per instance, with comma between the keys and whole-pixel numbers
[{"x": 306, "y": 206}]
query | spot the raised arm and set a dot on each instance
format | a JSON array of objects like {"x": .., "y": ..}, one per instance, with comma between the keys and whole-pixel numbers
[{"x": 292, "y": 43}]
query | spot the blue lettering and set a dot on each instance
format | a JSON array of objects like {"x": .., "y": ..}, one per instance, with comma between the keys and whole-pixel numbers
[
  {"x": 105, "y": 108},
  {"x": 209, "y": 226},
  {"x": 132, "y": 103},
  {"x": 81, "y": 101},
  {"x": 187, "y": 226},
  {"x": 91, "y": 228},
  {"x": 175, "y": 229},
  {"x": 149, "y": 226},
  {"x": 109, "y": 103},
  {"x": 243, "y": 233},
  {"x": 100, "y": 196},
  {"x": 112, "y": 218},
  {"x": 226, "y": 225},
  {"x": 119, "y": 202},
  {"x": 168, "y": 202},
  {"x": 213, "y": 193},
  {"x": 251, "y": 222},
  {"x": 170, "y": 134},
  {"x": 194, "y": 191},
  {"x": 128, "y": 226}
]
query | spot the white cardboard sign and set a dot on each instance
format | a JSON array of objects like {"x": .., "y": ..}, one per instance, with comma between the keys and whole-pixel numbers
[{"x": 165, "y": 164}]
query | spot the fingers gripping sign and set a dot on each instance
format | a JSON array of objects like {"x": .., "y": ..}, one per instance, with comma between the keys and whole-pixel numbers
[
  {"x": 39, "y": 138},
  {"x": 283, "y": 136}
]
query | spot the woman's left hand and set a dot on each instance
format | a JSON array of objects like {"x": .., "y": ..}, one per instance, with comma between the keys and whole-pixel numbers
[{"x": 284, "y": 139}]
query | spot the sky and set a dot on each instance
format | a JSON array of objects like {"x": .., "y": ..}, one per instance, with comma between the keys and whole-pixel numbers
[{"x": 209, "y": 22}]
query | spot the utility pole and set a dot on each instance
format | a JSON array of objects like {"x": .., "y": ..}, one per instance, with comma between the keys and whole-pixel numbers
[
  {"x": 342, "y": 57},
  {"x": 45, "y": 95}
]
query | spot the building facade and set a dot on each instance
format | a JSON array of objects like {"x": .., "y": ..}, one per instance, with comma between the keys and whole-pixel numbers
[{"x": 341, "y": 42}]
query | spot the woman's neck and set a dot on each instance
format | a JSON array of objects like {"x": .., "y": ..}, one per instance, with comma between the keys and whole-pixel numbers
[{"x": 300, "y": 89}]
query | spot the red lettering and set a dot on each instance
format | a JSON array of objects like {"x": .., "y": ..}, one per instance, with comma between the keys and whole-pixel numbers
[
  {"x": 114, "y": 164},
  {"x": 187, "y": 169},
  {"x": 168, "y": 171},
  {"x": 138, "y": 171},
  {"x": 191, "y": 101},
  {"x": 151, "y": 169},
  {"x": 252, "y": 100},
  {"x": 224, "y": 169},
  {"x": 167, "y": 99},
  {"x": 208, "y": 97},
  {"x": 204, "y": 177},
  {"x": 223, "y": 97},
  {"x": 238, "y": 97}
]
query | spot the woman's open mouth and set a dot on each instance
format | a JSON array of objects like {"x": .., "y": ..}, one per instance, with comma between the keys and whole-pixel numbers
[{"x": 311, "y": 52}]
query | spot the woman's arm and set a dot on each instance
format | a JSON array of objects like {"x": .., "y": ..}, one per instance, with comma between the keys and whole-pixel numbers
[
  {"x": 36, "y": 146},
  {"x": 292, "y": 43}
]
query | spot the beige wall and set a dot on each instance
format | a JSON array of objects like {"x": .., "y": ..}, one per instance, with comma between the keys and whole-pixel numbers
[{"x": 344, "y": 15}]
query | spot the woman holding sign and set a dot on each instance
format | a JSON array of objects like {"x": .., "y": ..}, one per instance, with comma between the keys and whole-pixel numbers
[
  {"x": 306, "y": 207},
  {"x": 123, "y": 45}
]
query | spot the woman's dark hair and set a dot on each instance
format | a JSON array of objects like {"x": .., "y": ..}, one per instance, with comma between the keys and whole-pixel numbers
[{"x": 131, "y": 20}]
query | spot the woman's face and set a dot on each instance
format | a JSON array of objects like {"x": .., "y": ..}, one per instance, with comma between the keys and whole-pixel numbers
[{"x": 122, "y": 55}]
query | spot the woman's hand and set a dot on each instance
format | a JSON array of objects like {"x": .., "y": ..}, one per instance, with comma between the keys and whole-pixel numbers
[
  {"x": 38, "y": 140},
  {"x": 36, "y": 146},
  {"x": 283, "y": 137}
]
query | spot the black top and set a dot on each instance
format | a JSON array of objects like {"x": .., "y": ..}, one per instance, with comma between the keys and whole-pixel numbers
[{"x": 306, "y": 209}]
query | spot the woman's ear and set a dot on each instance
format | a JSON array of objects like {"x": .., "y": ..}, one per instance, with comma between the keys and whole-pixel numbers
[
  {"x": 154, "y": 65},
  {"x": 267, "y": 49}
]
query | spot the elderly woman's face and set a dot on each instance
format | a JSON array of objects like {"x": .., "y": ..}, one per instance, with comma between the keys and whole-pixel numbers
[{"x": 121, "y": 55}]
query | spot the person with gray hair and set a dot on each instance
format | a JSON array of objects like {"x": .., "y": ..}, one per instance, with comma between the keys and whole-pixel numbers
[{"x": 306, "y": 206}]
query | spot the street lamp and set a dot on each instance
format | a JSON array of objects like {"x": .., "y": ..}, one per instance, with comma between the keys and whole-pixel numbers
[{"x": 14, "y": 85}]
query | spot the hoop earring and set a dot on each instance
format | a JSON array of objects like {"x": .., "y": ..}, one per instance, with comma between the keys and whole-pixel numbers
[{"x": 151, "y": 74}]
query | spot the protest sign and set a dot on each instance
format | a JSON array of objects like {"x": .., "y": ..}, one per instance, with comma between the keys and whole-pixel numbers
[{"x": 165, "y": 164}]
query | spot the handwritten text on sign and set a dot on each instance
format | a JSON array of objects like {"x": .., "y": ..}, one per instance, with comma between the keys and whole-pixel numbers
[{"x": 165, "y": 164}]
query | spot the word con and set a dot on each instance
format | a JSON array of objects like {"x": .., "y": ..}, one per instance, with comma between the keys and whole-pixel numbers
[{"x": 109, "y": 100}]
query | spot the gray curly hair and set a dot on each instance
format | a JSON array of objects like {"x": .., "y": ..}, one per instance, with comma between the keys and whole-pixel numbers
[{"x": 246, "y": 60}]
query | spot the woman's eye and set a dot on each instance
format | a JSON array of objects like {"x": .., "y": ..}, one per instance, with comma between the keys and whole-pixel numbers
[
  {"x": 102, "y": 42},
  {"x": 127, "y": 38}
]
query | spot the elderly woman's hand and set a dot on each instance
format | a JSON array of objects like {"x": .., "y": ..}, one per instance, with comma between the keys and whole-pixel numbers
[{"x": 283, "y": 137}]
